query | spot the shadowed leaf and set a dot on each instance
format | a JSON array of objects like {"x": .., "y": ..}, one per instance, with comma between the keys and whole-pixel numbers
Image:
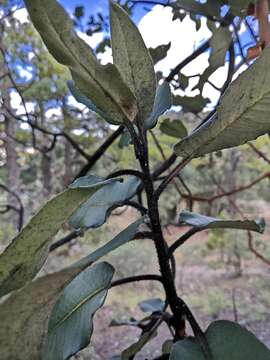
[
  {"x": 132, "y": 59},
  {"x": 103, "y": 85},
  {"x": 227, "y": 340},
  {"x": 207, "y": 222},
  {"x": 173, "y": 128},
  {"x": 93, "y": 212},
  {"x": 241, "y": 116},
  {"x": 26, "y": 254},
  {"x": 71, "y": 322},
  {"x": 163, "y": 102}
]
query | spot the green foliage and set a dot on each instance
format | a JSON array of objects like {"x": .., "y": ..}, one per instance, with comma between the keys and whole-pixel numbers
[
  {"x": 69, "y": 329},
  {"x": 174, "y": 128},
  {"x": 136, "y": 67},
  {"x": 227, "y": 340},
  {"x": 94, "y": 211},
  {"x": 24, "y": 257},
  {"x": 52, "y": 317},
  {"x": 163, "y": 102},
  {"x": 240, "y": 116},
  {"x": 206, "y": 222},
  {"x": 102, "y": 84}
]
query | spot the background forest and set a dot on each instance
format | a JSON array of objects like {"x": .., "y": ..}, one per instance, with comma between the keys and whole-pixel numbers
[{"x": 47, "y": 140}]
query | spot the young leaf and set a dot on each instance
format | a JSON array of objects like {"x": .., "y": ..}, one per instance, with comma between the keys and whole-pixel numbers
[
  {"x": 94, "y": 211},
  {"x": 26, "y": 254},
  {"x": 227, "y": 340},
  {"x": 174, "y": 128},
  {"x": 207, "y": 222},
  {"x": 132, "y": 59},
  {"x": 102, "y": 84},
  {"x": 163, "y": 102},
  {"x": 241, "y": 116},
  {"x": 71, "y": 321}
]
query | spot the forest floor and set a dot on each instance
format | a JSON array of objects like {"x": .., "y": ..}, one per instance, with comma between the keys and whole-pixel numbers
[{"x": 209, "y": 283}]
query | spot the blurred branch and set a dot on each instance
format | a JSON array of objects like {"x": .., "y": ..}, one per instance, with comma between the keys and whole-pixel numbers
[{"x": 19, "y": 210}]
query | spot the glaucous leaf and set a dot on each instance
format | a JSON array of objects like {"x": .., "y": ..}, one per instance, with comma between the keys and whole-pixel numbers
[
  {"x": 103, "y": 85},
  {"x": 174, "y": 128},
  {"x": 163, "y": 102},
  {"x": 94, "y": 211},
  {"x": 152, "y": 305},
  {"x": 208, "y": 222},
  {"x": 71, "y": 322},
  {"x": 159, "y": 53},
  {"x": 241, "y": 116},
  {"x": 26, "y": 254},
  {"x": 132, "y": 59},
  {"x": 227, "y": 340}
]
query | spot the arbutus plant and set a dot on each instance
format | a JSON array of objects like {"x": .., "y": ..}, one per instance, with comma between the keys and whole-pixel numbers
[{"x": 52, "y": 317}]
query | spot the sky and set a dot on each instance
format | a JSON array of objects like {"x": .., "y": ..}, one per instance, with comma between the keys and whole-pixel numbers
[{"x": 183, "y": 37}]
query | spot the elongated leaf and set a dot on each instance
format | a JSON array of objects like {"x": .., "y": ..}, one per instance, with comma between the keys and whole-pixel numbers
[
  {"x": 243, "y": 113},
  {"x": 163, "y": 102},
  {"x": 24, "y": 316},
  {"x": 207, "y": 222},
  {"x": 160, "y": 52},
  {"x": 137, "y": 346},
  {"x": 26, "y": 254},
  {"x": 93, "y": 212},
  {"x": 132, "y": 59},
  {"x": 103, "y": 85},
  {"x": 122, "y": 238},
  {"x": 174, "y": 128},
  {"x": 27, "y": 311},
  {"x": 227, "y": 340},
  {"x": 87, "y": 102},
  {"x": 71, "y": 321}
]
